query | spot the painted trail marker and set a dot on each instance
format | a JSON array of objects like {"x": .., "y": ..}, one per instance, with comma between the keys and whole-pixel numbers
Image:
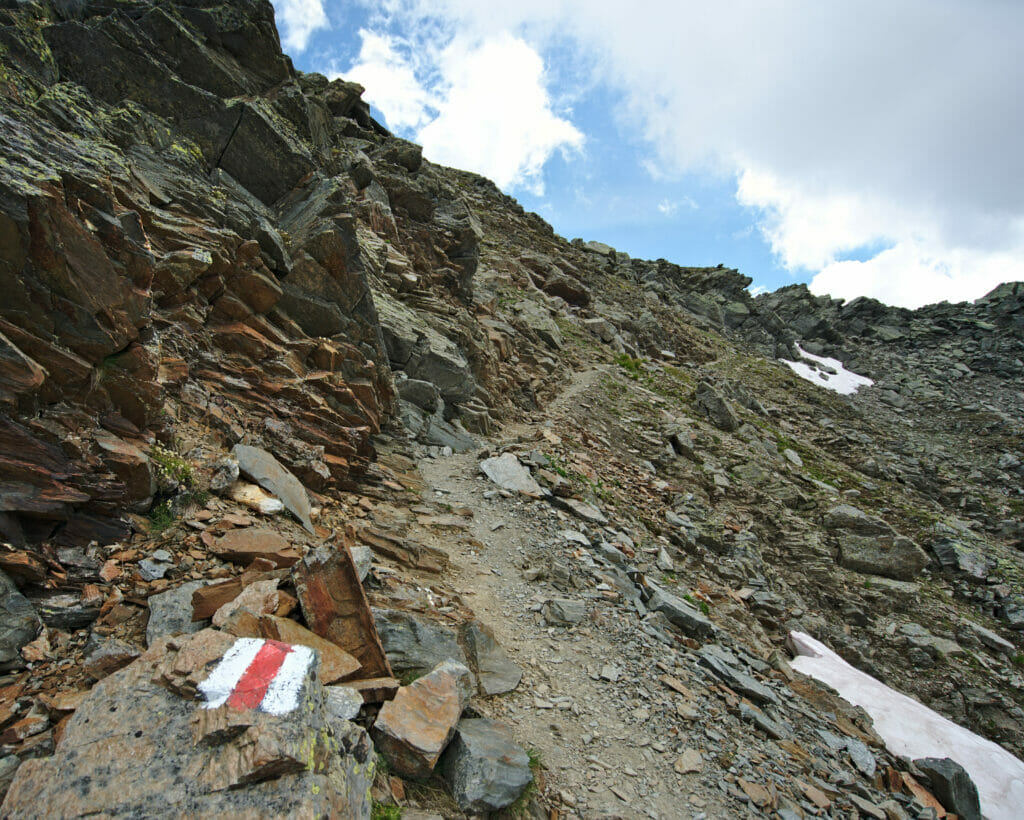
[{"x": 258, "y": 674}]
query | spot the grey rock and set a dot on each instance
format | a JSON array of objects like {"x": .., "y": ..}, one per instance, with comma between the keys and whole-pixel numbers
[
  {"x": 420, "y": 393},
  {"x": 107, "y": 655},
  {"x": 485, "y": 770},
  {"x": 581, "y": 509},
  {"x": 564, "y": 611},
  {"x": 851, "y": 519},
  {"x": 716, "y": 407},
  {"x": 170, "y": 613},
  {"x": 224, "y": 473},
  {"x": 954, "y": 555},
  {"x": 8, "y": 768},
  {"x": 861, "y": 756},
  {"x": 952, "y": 786},
  {"x": 418, "y": 350},
  {"x": 362, "y": 557},
  {"x": 268, "y": 472},
  {"x": 66, "y": 612},
  {"x": 506, "y": 471},
  {"x": 151, "y": 569},
  {"x": 538, "y": 321},
  {"x": 19, "y": 624},
  {"x": 602, "y": 328},
  {"x": 888, "y": 555},
  {"x": 343, "y": 702},
  {"x": 687, "y": 618},
  {"x": 496, "y": 673},
  {"x": 734, "y": 678},
  {"x": 772, "y": 728},
  {"x": 414, "y": 644},
  {"x": 989, "y": 638}
]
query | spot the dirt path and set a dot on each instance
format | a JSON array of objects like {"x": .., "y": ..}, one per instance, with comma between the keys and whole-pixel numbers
[{"x": 590, "y": 702}]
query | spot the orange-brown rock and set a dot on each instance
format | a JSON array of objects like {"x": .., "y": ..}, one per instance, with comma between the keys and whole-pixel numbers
[{"x": 244, "y": 545}]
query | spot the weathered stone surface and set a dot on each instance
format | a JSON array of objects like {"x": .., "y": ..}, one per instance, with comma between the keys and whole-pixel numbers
[
  {"x": 335, "y": 607},
  {"x": 484, "y": 768},
  {"x": 137, "y": 747},
  {"x": 108, "y": 656},
  {"x": 335, "y": 663},
  {"x": 564, "y": 611},
  {"x": 953, "y": 787},
  {"x": 954, "y": 555},
  {"x": 265, "y": 470},
  {"x": 581, "y": 509},
  {"x": 734, "y": 678},
  {"x": 343, "y": 702},
  {"x": 245, "y": 545},
  {"x": 495, "y": 671},
  {"x": 414, "y": 644},
  {"x": 892, "y": 556},
  {"x": 506, "y": 471},
  {"x": 258, "y": 598},
  {"x": 688, "y": 618},
  {"x": 19, "y": 624},
  {"x": 717, "y": 408},
  {"x": 413, "y": 729},
  {"x": 170, "y": 613},
  {"x": 849, "y": 518}
]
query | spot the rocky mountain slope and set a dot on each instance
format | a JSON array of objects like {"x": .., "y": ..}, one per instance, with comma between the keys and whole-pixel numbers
[{"x": 201, "y": 248}]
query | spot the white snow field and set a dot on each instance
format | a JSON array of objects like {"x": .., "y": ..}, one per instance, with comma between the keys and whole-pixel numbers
[
  {"x": 841, "y": 381},
  {"x": 912, "y": 729}
]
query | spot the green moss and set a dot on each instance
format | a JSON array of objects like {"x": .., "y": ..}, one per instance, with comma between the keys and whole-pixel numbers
[
  {"x": 382, "y": 811},
  {"x": 172, "y": 466}
]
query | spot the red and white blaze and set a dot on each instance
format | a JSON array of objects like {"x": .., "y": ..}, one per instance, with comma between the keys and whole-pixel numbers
[{"x": 258, "y": 674}]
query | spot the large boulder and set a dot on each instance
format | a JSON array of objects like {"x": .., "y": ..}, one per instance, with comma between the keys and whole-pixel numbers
[
  {"x": 415, "y": 728},
  {"x": 484, "y": 768},
  {"x": 144, "y": 742}
]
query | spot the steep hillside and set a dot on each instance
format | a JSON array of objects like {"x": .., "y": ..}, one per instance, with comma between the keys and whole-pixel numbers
[{"x": 201, "y": 247}]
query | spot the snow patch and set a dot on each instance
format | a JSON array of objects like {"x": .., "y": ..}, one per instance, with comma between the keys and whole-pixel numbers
[
  {"x": 829, "y": 373},
  {"x": 912, "y": 729}
]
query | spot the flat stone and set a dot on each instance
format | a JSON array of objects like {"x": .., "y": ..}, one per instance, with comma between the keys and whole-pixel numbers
[
  {"x": 495, "y": 671},
  {"x": 245, "y": 545},
  {"x": 564, "y": 611},
  {"x": 892, "y": 556},
  {"x": 108, "y": 656},
  {"x": 687, "y": 618},
  {"x": 267, "y": 471},
  {"x": 485, "y": 770},
  {"x": 989, "y": 638},
  {"x": 506, "y": 471},
  {"x": 735, "y": 679},
  {"x": 690, "y": 761},
  {"x": 413, "y": 730},
  {"x": 343, "y": 702},
  {"x": 581, "y": 509},
  {"x": 259, "y": 598}
]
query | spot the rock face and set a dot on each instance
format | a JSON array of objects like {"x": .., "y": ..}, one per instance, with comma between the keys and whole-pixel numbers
[
  {"x": 20, "y": 624},
  {"x": 141, "y": 744}
]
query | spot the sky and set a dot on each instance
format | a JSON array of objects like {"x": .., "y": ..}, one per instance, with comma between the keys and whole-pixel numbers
[{"x": 862, "y": 147}]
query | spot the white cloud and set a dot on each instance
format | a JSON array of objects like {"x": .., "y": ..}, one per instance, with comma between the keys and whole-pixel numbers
[
  {"x": 478, "y": 104},
  {"x": 385, "y": 68},
  {"x": 298, "y": 19},
  {"x": 849, "y": 125},
  {"x": 496, "y": 116}
]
